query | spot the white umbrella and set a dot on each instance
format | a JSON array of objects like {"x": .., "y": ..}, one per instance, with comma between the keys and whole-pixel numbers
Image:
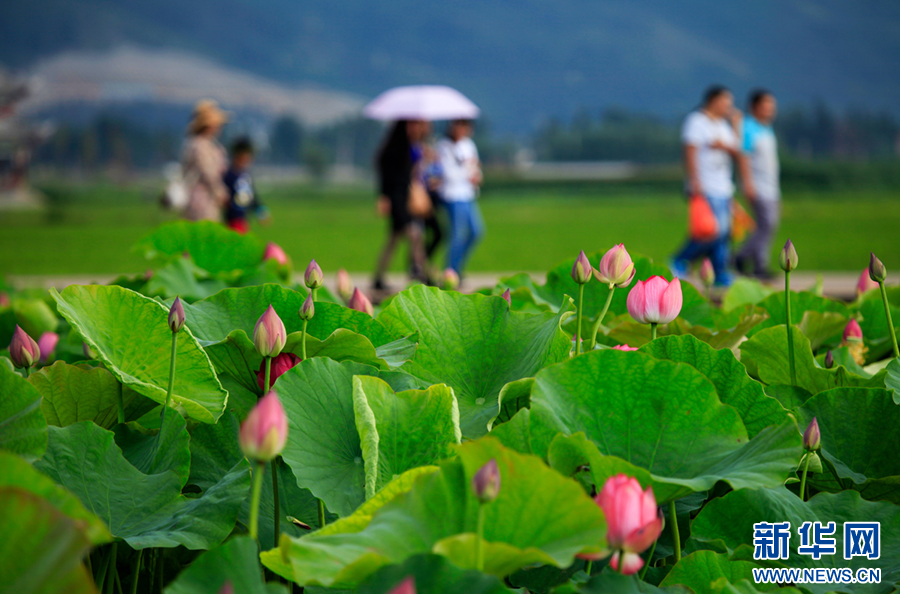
[{"x": 421, "y": 102}]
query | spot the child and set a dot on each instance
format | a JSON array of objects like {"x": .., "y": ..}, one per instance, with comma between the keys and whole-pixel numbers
[{"x": 241, "y": 193}]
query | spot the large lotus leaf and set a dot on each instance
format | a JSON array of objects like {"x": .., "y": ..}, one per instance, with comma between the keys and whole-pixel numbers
[
  {"x": 16, "y": 472},
  {"x": 235, "y": 562},
  {"x": 475, "y": 345},
  {"x": 874, "y": 326},
  {"x": 821, "y": 326},
  {"x": 36, "y": 317},
  {"x": 212, "y": 246},
  {"x": 23, "y": 428},
  {"x": 660, "y": 416},
  {"x": 432, "y": 574},
  {"x": 72, "y": 393},
  {"x": 892, "y": 379},
  {"x": 154, "y": 452},
  {"x": 130, "y": 334},
  {"x": 144, "y": 510},
  {"x": 730, "y": 520},
  {"x": 611, "y": 582},
  {"x": 708, "y": 571},
  {"x": 181, "y": 278},
  {"x": 41, "y": 549},
  {"x": 745, "y": 291},
  {"x": 539, "y": 517},
  {"x": 730, "y": 333},
  {"x": 404, "y": 430},
  {"x": 514, "y": 396},
  {"x": 767, "y": 352},
  {"x": 801, "y": 302},
  {"x": 732, "y": 383},
  {"x": 214, "y": 318},
  {"x": 516, "y": 432}
]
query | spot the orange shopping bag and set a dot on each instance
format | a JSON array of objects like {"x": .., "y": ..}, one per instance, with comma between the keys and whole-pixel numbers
[
  {"x": 742, "y": 224},
  {"x": 702, "y": 222}
]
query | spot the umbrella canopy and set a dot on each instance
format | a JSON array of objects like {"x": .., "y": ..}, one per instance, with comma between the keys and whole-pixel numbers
[{"x": 421, "y": 102}]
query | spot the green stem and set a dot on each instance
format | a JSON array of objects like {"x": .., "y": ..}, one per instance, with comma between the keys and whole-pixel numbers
[
  {"x": 588, "y": 568},
  {"x": 321, "y": 513},
  {"x": 578, "y": 327},
  {"x": 303, "y": 341},
  {"x": 275, "y": 501},
  {"x": 161, "y": 570},
  {"x": 254, "y": 500},
  {"x": 649, "y": 559},
  {"x": 268, "y": 375},
  {"x": 787, "y": 322},
  {"x": 119, "y": 584},
  {"x": 653, "y": 330},
  {"x": 110, "y": 581},
  {"x": 479, "y": 535},
  {"x": 599, "y": 321},
  {"x": 137, "y": 572},
  {"x": 102, "y": 570},
  {"x": 121, "y": 405},
  {"x": 673, "y": 518},
  {"x": 171, "y": 384},
  {"x": 26, "y": 371},
  {"x": 313, "y": 293},
  {"x": 890, "y": 323},
  {"x": 803, "y": 480}
]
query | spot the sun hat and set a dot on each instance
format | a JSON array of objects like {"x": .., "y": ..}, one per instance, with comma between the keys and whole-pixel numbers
[{"x": 206, "y": 113}]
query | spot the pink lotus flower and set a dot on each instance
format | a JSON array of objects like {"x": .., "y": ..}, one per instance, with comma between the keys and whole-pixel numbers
[
  {"x": 274, "y": 252},
  {"x": 23, "y": 350},
  {"x": 865, "y": 283},
  {"x": 506, "y": 295},
  {"x": 707, "y": 272},
  {"x": 269, "y": 335},
  {"x": 623, "y": 347},
  {"x": 360, "y": 302},
  {"x": 655, "y": 300},
  {"x": 581, "y": 269},
  {"x": 633, "y": 521},
  {"x": 264, "y": 431},
  {"x": 313, "y": 277},
  {"x": 407, "y": 586},
  {"x": 47, "y": 344},
  {"x": 616, "y": 268},
  {"x": 852, "y": 332},
  {"x": 280, "y": 364},
  {"x": 344, "y": 284}
]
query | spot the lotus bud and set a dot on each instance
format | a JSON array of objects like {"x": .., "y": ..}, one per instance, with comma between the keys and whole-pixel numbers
[
  {"x": 23, "y": 350},
  {"x": 360, "y": 302},
  {"x": 655, "y": 300},
  {"x": 313, "y": 276},
  {"x": 308, "y": 309},
  {"x": 269, "y": 335},
  {"x": 812, "y": 437},
  {"x": 616, "y": 268},
  {"x": 788, "y": 258},
  {"x": 264, "y": 431},
  {"x": 865, "y": 283},
  {"x": 274, "y": 252},
  {"x": 280, "y": 364},
  {"x": 47, "y": 344},
  {"x": 877, "y": 271},
  {"x": 581, "y": 269},
  {"x": 407, "y": 586},
  {"x": 852, "y": 332},
  {"x": 344, "y": 284},
  {"x": 4, "y": 299},
  {"x": 707, "y": 273},
  {"x": 624, "y": 347},
  {"x": 451, "y": 279},
  {"x": 486, "y": 482},
  {"x": 86, "y": 351},
  {"x": 829, "y": 360},
  {"x": 176, "y": 316},
  {"x": 506, "y": 295}
]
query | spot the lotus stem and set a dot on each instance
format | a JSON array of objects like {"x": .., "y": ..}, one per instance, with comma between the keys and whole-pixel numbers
[
  {"x": 588, "y": 567},
  {"x": 165, "y": 412},
  {"x": 110, "y": 581},
  {"x": 649, "y": 559},
  {"x": 137, "y": 572},
  {"x": 803, "y": 479},
  {"x": 479, "y": 535},
  {"x": 653, "y": 330},
  {"x": 321, "y": 506},
  {"x": 303, "y": 340},
  {"x": 887, "y": 315},
  {"x": 121, "y": 405},
  {"x": 599, "y": 321},
  {"x": 313, "y": 293},
  {"x": 787, "y": 322},
  {"x": 676, "y": 538},
  {"x": 275, "y": 500},
  {"x": 254, "y": 500},
  {"x": 578, "y": 327},
  {"x": 268, "y": 375}
]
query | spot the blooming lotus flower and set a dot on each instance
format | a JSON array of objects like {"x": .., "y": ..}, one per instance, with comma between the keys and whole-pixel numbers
[
  {"x": 865, "y": 283},
  {"x": 360, "y": 302},
  {"x": 506, "y": 295},
  {"x": 264, "y": 431},
  {"x": 633, "y": 521},
  {"x": 788, "y": 259},
  {"x": 707, "y": 273},
  {"x": 47, "y": 344},
  {"x": 280, "y": 364},
  {"x": 344, "y": 284},
  {"x": 269, "y": 335},
  {"x": 176, "y": 316},
  {"x": 274, "y": 252},
  {"x": 308, "y": 309},
  {"x": 655, "y": 300},
  {"x": 852, "y": 331},
  {"x": 616, "y": 268},
  {"x": 23, "y": 350},
  {"x": 812, "y": 437},
  {"x": 407, "y": 586},
  {"x": 877, "y": 271},
  {"x": 486, "y": 482},
  {"x": 624, "y": 347},
  {"x": 451, "y": 279},
  {"x": 313, "y": 276},
  {"x": 581, "y": 269}
]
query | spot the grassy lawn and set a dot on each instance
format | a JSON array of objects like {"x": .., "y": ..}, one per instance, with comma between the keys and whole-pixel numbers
[{"x": 91, "y": 229}]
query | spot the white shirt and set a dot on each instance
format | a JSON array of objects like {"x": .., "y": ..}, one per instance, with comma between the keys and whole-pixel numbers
[
  {"x": 459, "y": 161},
  {"x": 714, "y": 167}
]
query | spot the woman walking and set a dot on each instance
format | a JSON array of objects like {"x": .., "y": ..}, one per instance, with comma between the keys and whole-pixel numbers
[
  {"x": 204, "y": 162},
  {"x": 461, "y": 172}
]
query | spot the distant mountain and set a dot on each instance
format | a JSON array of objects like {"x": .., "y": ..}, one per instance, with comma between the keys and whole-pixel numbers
[{"x": 521, "y": 60}]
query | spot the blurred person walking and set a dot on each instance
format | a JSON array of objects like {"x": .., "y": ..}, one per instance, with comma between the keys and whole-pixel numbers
[
  {"x": 462, "y": 177},
  {"x": 761, "y": 150},
  {"x": 204, "y": 162},
  {"x": 242, "y": 196}
]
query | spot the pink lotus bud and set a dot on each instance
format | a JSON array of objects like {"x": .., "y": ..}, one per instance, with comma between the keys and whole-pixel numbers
[
  {"x": 852, "y": 332},
  {"x": 264, "y": 431},
  {"x": 623, "y": 347},
  {"x": 176, "y": 316},
  {"x": 633, "y": 521},
  {"x": 865, "y": 283},
  {"x": 360, "y": 302},
  {"x": 47, "y": 344},
  {"x": 4, "y": 299},
  {"x": 655, "y": 300},
  {"x": 812, "y": 437},
  {"x": 616, "y": 268},
  {"x": 707, "y": 273},
  {"x": 451, "y": 279},
  {"x": 86, "y": 351},
  {"x": 344, "y": 284},
  {"x": 280, "y": 364},
  {"x": 829, "y": 360},
  {"x": 23, "y": 350},
  {"x": 877, "y": 271},
  {"x": 486, "y": 482},
  {"x": 269, "y": 335},
  {"x": 788, "y": 259},
  {"x": 148, "y": 274},
  {"x": 507, "y": 296},
  {"x": 581, "y": 269},
  {"x": 274, "y": 252},
  {"x": 313, "y": 276},
  {"x": 308, "y": 309},
  {"x": 407, "y": 586}
]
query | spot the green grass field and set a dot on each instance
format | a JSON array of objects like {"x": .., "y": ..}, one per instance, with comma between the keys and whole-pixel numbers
[{"x": 90, "y": 229}]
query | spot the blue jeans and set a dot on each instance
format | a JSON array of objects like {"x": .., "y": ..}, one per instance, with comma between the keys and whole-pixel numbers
[
  {"x": 718, "y": 249},
  {"x": 466, "y": 229}
]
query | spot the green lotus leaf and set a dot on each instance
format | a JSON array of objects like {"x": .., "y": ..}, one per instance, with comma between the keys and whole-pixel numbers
[
  {"x": 214, "y": 247},
  {"x": 23, "y": 428},
  {"x": 182, "y": 278},
  {"x": 155, "y": 452},
  {"x": 801, "y": 302},
  {"x": 235, "y": 562},
  {"x": 432, "y": 574},
  {"x": 745, "y": 291},
  {"x": 708, "y": 571}
]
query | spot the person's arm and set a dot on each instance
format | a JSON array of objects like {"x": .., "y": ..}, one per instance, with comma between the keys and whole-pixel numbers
[
  {"x": 743, "y": 160},
  {"x": 690, "y": 168}
]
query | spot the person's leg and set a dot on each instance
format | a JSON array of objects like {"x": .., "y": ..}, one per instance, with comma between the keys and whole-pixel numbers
[
  {"x": 459, "y": 234},
  {"x": 720, "y": 249},
  {"x": 749, "y": 253},
  {"x": 384, "y": 259},
  {"x": 475, "y": 225},
  {"x": 417, "y": 250},
  {"x": 767, "y": 215}
]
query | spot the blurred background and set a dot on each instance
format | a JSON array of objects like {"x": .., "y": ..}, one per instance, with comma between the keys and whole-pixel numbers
[{"x": 581, "y": 106}]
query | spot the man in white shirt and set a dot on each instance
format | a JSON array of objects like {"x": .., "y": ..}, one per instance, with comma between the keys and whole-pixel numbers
[{"x": 459, "y": 188}]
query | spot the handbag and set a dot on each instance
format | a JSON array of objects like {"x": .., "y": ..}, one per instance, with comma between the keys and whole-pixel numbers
[
  {"x": 419, "y": 203},
  {"x": 702, "y": 222}
]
